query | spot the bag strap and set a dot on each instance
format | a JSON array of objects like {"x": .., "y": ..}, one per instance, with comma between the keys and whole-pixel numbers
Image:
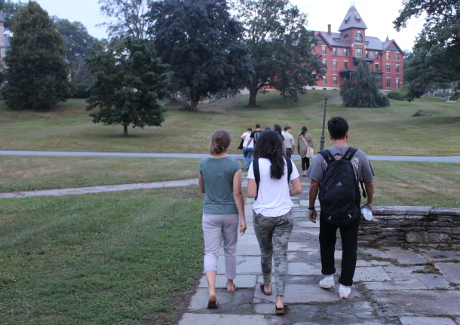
[{"x": 255, "y": 166}]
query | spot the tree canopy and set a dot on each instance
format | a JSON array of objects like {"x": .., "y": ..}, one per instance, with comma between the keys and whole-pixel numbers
[
  {"x": 129, "y": 17},
  {"x": 280, "y": 47},
  {"x": 37, "y": 72},
  {"x": 9, "y": 8},
  {"x": 435, "y": 59},
  {"x": 130, "y": 80},
  {"x": 202, "y": 43},
  {"x": 78, "y": 45},
  {"x": 363, "y": 92}
]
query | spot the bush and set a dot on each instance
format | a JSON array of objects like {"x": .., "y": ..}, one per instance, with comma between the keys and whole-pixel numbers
[
  {"x": 82, "y": 91},
  {"x": 397, "y": 95}
]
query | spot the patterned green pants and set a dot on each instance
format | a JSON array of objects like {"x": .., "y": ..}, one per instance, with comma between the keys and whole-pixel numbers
[{"x": 273, "y": 236}]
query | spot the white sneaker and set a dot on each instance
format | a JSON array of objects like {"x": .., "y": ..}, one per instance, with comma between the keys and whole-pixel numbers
[
  {"x": 344, "y": 291},
  {"x": 327, "y": 284}
]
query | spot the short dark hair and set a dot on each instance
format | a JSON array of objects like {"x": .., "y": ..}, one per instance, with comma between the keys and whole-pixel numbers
[
  {"x": 270, "y": 146},
  {"x": 257, "y": 126},
  {"x": 338, "y": 127},
  {"x": 249, "y": 129},
  {"x": 287, "y": 127}
]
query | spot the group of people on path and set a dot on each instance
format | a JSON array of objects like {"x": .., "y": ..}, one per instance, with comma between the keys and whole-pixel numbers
[
  {"x": 304, "y": 140},
  {"x": 272, "y": 179}
]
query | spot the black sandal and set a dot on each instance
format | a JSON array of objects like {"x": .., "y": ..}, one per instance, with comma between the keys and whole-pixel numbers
[
  {"x": 280, "y": 311},
  {"x": 262, "y": 288}
]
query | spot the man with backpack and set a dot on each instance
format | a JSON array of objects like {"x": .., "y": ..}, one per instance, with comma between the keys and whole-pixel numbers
[{"x": 336, "y": 173}]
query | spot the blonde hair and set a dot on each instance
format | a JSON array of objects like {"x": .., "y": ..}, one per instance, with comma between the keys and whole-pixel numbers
[{"x": 220, "y": 141}]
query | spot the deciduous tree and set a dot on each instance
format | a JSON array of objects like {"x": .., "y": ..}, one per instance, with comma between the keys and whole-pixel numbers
[
  {"x": 435, "y": 57},
  {"x": 203, "y": 45},
  {"x": 37, "y": 73},
  {"x": 78, "y": 45},
  {"x": 130, "y": 80},
  {"x": 129, "y": 17},
  {"x": 280, "y": 47}
]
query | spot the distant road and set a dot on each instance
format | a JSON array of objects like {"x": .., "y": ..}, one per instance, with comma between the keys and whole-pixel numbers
[{"x": 449, "y": 159}]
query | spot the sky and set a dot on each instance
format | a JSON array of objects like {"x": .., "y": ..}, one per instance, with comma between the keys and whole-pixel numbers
[{"x": 377, "y": 17}]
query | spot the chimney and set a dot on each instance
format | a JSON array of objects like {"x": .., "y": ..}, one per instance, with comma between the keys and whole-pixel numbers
[{"x": 329, "y": 29}]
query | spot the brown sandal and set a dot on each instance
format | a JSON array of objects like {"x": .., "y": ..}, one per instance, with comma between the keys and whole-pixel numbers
[
  {"x": 213, "y": 304},
  {"x": 280, "y": 311}
]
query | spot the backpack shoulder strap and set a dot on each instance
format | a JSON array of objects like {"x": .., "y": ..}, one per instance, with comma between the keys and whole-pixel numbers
[
  {"x": 289, "y": 167},
  {"x": 327, "y": 155},
  {"x": 255, "y": 166},
  {"x": 350, "y": 153}
]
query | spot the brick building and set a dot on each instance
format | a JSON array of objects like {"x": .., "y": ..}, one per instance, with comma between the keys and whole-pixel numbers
[{"x": 341, "y": 52}]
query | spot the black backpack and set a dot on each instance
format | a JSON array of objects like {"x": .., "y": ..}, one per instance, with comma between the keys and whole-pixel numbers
[
  {"x": 255, "y": 166},
  {"x": 339, "y": 194}
]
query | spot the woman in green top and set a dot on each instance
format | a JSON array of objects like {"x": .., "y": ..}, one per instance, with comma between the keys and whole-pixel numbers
[{"x": 220, "y": 180}]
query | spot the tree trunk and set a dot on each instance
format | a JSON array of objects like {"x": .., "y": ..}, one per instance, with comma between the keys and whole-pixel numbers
[
  {"x": 252, "y": 97},
  {"x": 194, "y": 105},
  {"x": 125, "y": 130}
]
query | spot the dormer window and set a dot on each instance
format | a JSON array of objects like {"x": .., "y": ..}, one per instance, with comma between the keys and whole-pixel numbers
[
  {"x": 346, "y": 36},
  {"x": 359, "y": 38}
]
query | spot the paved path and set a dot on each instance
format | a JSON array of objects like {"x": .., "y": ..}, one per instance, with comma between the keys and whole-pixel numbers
[
  {"x": 389, "y": 288},
  {"x": 446, "y": 159}
]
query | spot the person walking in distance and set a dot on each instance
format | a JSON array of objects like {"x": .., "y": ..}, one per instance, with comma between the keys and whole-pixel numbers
[
  {"x": 289, "y": 143},
  {"x": 220, "y": 180},
  {"x": 247, "y": 149},
  {"x": 268, "y": 181},
  {"x": 254, "y": 136},
  {"x": 305, "y": 141},
  {"x": 340, "y": 202}
]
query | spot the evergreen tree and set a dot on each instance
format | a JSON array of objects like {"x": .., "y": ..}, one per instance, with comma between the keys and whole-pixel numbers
[
  {"x": 363, "y": 93},
  {"x": 37, "y": 73},
  {"x": 130, "y": 80}
]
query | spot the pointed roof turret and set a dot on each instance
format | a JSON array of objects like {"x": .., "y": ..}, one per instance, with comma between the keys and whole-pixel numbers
[{"x": 352, "y": 20}]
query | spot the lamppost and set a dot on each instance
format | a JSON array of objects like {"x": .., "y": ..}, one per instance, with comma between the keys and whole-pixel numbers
[{"x": 321, "y": 146}]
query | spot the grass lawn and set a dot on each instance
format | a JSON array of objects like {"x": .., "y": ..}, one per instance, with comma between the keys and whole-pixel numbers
[
  {"x": 28, "y": 173},
  {"x": 383, "y": 131},
  {"x": 116, "y": 258}
]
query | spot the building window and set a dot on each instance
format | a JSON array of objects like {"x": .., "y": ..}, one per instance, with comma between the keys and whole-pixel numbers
[
  {"x": 324, "y": 79},
  {"x": 359, "y": 52},
  {"x": 397, "y": 56},
  {"x": 334, "y": 51},
  {"x": 345, "y": 65},
  {"x": 388, "y": 68},
  {"x": 345, "y": 52},
  {"x": 377, "y": 67},
  {"x": 346, "y": 36},
  {"x": 397, "y": 83},
  {"x": 388, "y": 83},
  {"x": 377, "y": 55},
  {"x": 334, "y": 64},
  {"x": 397, "y": 68},
  {"x": 334, "y": 79},
  {"x": 323, "y": 49},
  {"x": 387, "y": 55},
  {"x": 359, "y": 38},
  {"x": 313, "y": 48},
  {"x": 325, "y": 63}
]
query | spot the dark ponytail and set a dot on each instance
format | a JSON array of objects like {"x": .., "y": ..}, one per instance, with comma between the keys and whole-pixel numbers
[{"x": 270, "y": 146}]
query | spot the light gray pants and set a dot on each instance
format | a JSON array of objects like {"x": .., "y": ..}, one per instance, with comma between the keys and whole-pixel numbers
[
  {"x": 213, "y": 226},
  {"x": 273, "y": 236}
]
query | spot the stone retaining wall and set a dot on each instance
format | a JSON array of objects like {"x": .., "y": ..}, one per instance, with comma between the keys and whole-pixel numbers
[{"x": 406, "y": 224}]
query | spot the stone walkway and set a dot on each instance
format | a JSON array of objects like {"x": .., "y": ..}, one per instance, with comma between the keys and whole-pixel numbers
[{"x": 393, "y": 285}]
